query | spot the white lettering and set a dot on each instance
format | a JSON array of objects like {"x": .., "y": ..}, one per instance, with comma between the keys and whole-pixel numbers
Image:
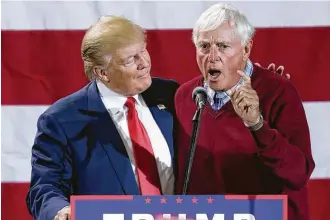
[
  {"x": 244, "y": 217},
  {"x": 199, "y": 216},
  {"x": 142, "y": 217}
]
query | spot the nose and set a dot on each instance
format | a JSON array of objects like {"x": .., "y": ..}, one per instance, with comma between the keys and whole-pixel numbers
[
  {"x": 143, "y": 61},
  {"x": 213, "y": 55}
]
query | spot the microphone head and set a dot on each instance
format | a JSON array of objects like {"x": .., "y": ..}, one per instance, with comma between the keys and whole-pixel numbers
[{"x": 198, "y": 90}]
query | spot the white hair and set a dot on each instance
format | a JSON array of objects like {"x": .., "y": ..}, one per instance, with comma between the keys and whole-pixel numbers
[{"x": 220, "y": 13}]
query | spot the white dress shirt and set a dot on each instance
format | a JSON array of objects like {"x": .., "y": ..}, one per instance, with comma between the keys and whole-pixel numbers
[{"x": 115, "y": 104}]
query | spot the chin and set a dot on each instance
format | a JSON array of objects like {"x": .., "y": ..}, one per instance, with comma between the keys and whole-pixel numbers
[
  {"x": 147, "y": 80},
  {"x": 217, "y": 86},
  {"x": 138, "y": 86},
  {"x": 144, "y": 84}
]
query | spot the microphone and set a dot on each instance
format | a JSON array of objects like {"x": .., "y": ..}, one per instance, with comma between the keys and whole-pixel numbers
[{"x": 199, "y": 96}]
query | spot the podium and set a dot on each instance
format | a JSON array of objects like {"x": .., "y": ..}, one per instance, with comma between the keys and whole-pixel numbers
[{"x": 196, "y": 207}]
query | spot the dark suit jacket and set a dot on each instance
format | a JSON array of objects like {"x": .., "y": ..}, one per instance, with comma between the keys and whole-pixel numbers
[{"x": 77, "y": 149}]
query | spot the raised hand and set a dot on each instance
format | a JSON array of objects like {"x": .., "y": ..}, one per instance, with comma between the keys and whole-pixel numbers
[
  {"x": 245, "y": 101},
  {"x": 279, "y": 70}
]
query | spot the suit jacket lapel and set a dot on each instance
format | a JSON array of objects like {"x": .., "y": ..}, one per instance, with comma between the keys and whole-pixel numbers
[
  {"x": 162, "y": 119},
  {"x": 161, "y": 115},
  {"x": 106, "y": 133}
]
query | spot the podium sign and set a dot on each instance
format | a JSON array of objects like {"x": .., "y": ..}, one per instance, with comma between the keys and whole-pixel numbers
[{"x": 197, "y": 207}]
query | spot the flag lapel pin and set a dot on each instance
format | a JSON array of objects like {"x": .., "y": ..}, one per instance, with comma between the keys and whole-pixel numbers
[{"x": 161, "y": 107}]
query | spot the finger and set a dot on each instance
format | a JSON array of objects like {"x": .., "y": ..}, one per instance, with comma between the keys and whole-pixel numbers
[
  {"x": 235, "y": 94},
  {"x": 56, "y": 217},
  {"x": 287, "y": 76},
  {"x": 257, "y": 64},
  {"x": 271, "y": 67},
  {"x": 280, "y": 70},
  {"x": 243, "y": 104},
  {"x": 244, "y": 95},
  {"x": 247, "y": 104},
  {"x": 245, "y": 77},
  {"x": 231, "y": 92},
  {"x": 233, "y": 102},
  {"x": 244, "y": 91},
  {"x": 246, "y": 88}
]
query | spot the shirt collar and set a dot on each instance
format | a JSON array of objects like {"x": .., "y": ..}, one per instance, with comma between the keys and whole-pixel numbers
[
  {"x": 248, "y": 70},
  {"x": 113, "y": 101}
]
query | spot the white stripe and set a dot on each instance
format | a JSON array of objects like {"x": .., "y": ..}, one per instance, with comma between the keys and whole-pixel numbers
[
  {"x": 40, "y": 15},
  {"x": 19, "y": 123},
  {"x": 319, "y": 125}
]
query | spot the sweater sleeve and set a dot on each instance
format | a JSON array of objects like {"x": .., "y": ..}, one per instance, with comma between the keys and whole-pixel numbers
[{"x": 284, "y": 144}]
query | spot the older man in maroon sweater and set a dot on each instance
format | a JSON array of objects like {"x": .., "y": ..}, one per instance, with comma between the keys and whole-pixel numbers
[{"x": 253, "y": 137}]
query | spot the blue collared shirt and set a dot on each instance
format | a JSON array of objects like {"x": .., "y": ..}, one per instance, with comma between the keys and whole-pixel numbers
[{"x": 217, "y": 99}]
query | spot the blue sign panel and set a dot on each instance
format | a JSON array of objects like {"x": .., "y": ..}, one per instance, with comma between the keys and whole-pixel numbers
[{"x": 194, "y": 207}]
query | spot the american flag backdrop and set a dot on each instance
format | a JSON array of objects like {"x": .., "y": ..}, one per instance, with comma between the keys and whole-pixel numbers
[{"x": 41, "y": 63}]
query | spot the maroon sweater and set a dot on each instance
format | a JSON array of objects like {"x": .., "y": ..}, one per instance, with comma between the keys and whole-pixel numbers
[{"x": 231, "y": 159}]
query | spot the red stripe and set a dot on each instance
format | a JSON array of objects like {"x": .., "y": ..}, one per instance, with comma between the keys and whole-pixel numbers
[
  {"x": 39, "y": 67},
  {"x": 13, "y": 200},
  {"x": 13, "y": 204},
  {"x": 319, "y": 198}
]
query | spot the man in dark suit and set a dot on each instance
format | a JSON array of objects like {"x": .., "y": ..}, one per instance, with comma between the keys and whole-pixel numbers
[{"x": 114, "y": 136}]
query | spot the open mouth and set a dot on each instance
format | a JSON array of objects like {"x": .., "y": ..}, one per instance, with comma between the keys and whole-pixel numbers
[{"x": 214, "y": 73}]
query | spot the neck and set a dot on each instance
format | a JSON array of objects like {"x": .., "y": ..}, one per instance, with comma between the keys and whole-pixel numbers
[{"x": 112, "y": 87}]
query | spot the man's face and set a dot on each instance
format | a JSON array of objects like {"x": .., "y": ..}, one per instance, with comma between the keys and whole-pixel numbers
[
  {"x": 219, "y": 55},
  {"x": 129, "y": 72}
]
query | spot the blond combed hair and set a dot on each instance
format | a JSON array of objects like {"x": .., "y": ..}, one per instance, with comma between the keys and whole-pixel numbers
[{"x": 104, "y": 37}]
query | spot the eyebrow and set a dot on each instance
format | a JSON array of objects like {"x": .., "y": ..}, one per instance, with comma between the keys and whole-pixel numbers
[{"x": 217, "y": 41}]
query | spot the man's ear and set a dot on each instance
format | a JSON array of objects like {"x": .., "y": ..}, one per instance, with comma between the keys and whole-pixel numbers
[
  {"x": 101, "y": 73},
  {"x": 247, "y": 50}
]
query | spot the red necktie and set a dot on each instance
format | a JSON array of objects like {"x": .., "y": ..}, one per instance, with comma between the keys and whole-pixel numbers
[{"x": 145, "y": 161}]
